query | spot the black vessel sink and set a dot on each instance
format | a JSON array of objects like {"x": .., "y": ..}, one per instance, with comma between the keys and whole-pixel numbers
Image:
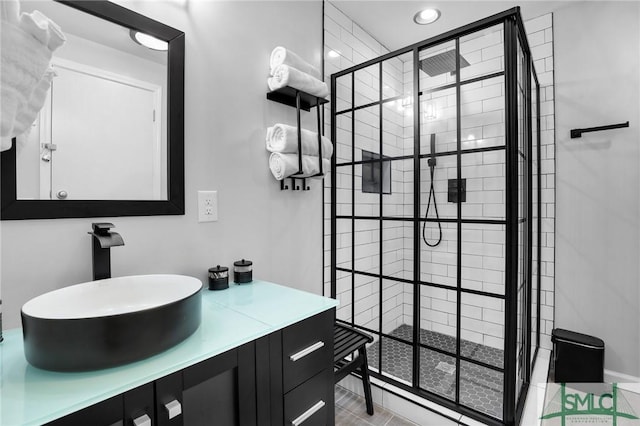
[{"x": 110, "y": 322}]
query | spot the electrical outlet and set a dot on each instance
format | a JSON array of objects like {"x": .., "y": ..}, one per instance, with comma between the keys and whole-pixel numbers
[{"x": 207, "y": 206}]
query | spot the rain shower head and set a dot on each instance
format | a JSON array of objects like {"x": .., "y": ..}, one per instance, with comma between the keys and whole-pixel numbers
[{"x": 441, "y": 63}]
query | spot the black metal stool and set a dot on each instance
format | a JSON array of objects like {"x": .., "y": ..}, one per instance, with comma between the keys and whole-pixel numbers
[{"x": 346, "y": 341}]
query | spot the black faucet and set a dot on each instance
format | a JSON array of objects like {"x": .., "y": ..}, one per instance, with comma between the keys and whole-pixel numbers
[{"x": 103, "y": 240}]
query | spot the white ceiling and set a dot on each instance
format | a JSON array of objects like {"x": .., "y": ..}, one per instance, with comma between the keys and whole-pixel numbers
[{"x": 391, "y": 21}]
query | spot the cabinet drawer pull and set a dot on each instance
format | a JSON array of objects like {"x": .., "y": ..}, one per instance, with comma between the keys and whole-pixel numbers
[
  {"x": 143, "y": 420},
  {"x": 306, "y": 351},
  {"x": 310, "y": 412},
  {"x": 173, "y": 408}
]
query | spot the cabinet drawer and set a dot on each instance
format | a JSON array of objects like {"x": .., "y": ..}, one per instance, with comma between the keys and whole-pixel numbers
[
  {"x": 307, "y": 348},
  {"x": 311, "y": 403}
]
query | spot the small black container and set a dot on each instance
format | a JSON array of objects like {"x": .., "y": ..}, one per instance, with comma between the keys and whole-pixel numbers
[
  {"x": 218, "y": 278},
  {"x": 577, "y": 358},
  {"x": 242, "y": 271}
]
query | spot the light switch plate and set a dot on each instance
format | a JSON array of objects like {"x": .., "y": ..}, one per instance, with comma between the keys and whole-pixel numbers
[{"x": 207, "y": 206}]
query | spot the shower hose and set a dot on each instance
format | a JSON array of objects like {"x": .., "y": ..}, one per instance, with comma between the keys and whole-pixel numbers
[{"x": 432, "y": 195}]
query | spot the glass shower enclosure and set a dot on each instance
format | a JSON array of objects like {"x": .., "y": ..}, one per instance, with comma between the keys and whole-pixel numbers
[{"x": 435, "y": 215}]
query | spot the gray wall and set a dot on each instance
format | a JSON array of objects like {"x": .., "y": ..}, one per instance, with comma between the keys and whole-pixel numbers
[
  {"x": 597, "y": 83},
  {"x": 227, "y": 62}
]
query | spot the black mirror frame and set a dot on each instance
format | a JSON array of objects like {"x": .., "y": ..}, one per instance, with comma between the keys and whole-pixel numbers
[{"x": 13, "y": 209}]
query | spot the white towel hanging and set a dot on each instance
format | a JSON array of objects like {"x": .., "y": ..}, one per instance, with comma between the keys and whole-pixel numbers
[
  {"x": 284, "y": 75},
  {"x": 284, "y": 138},
  {"x": 284, "y": 165},
  {"x": 26, "y": 47},
  {"x": 283, "y": 56}
]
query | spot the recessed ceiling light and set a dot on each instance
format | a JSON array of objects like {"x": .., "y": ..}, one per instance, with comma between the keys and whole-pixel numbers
[
  {"x": 426, "y": 16},
  {"x": 333, "y": 54},
  {"x": 148, "y": 41}
]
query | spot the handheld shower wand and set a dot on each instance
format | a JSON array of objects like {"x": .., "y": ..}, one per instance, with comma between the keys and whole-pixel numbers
[{"x": 432, "y": 193}]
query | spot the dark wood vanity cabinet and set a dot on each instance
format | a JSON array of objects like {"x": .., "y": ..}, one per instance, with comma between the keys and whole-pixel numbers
[
  {"x": 284, "y": 378},
  {"x": 222, "y": 389},
  {"x": 300, "y": 374},
  {"x": 307, "y": 367}
]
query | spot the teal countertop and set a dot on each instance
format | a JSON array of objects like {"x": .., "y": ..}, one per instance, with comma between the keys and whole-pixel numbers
[{"x": 230, "y": 318}]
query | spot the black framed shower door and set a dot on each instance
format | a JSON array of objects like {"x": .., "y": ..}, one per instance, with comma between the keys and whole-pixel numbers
[{"x": 435, "y": 215}]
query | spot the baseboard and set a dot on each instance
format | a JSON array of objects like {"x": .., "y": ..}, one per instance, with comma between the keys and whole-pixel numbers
[{"x": 611, "y": 376}]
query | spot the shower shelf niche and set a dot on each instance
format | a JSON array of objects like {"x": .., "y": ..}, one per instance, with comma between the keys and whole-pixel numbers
[{"x": 300, "y": 100}]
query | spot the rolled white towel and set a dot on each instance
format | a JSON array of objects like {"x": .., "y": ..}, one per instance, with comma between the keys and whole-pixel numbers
[
  {"x": 285, "y": 165},
  {"x": 283, "y": 56},
  {"x": 284, "y": 75},
  {"x": 284, "y": 138}
]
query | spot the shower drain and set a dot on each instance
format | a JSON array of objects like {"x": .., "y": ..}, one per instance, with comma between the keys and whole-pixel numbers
[{"x": 446, "y": 367}]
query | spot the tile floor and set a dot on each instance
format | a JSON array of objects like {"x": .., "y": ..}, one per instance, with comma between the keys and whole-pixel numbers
[
  {"x": 480, "y": 387},
  {"x": 351, "y": 410},
  {"x": 390, "y": 400}
]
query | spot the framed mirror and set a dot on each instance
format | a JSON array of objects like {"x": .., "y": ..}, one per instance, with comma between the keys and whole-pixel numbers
[{"x": 110, "y": 139}]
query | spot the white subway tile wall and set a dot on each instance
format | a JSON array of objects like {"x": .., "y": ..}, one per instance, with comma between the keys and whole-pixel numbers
[
  {"x": 540, "y": 35},
  {"x": 482, "y": 119}
]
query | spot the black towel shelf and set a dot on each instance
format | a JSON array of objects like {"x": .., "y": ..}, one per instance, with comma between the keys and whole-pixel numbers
[
  {"x": 577, "y": 133},
  {"x": 300, "y": 100},
  {"x": 287, "y": 96}
]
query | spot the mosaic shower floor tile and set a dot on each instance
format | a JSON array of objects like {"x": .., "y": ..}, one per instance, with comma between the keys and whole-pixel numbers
[{"x": 480, "y": 387}]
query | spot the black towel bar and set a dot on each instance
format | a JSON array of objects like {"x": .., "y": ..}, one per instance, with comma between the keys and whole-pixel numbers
[{"x": 577, "y": 133}]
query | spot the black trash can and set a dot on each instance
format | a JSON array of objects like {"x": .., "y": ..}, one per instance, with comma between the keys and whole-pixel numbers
[{"x": 577, "y": 358}]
